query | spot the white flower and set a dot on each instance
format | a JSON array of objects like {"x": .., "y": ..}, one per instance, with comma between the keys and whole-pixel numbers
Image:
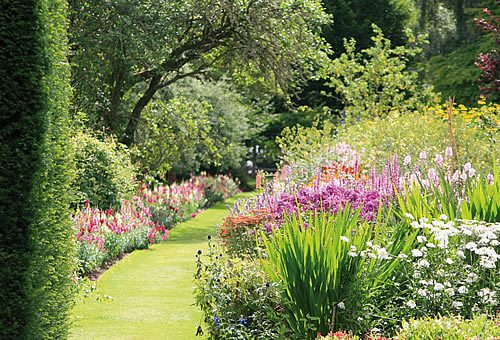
[
  {"x": 411, "y": 304},
  {"x": 461, "y": 254},
  {"x": 372, "y": 255},
  {"x": 424, "y": 220},
  {"x": 450, "y": 291},
  {"x": 353, "y": 248},
  {"x": 487, "y": 263},
  {"x": 438, "y": 286},
  {"x": 341, "y": 305},
  {"x": 369, "y": 244},
  {"x": 423, "y": 155},
  {"x": 416, "y": 253},
  {"x": 407, "y": 160},
  {"x": 423, "y": 263},
  {"x": 344, "y": 238},
  {"x": 421, "y": 239},
  {"x": 471, "y": 277},
  {"x": 471, "y": 246},
  {"x": 430, "y": 245},
  {"x": 382, "y": 254},
  {"x": 423, "y": 282},
  {"x": 457, "y": 304},
  {"x": 352, "y": 254},
  {"x": 415, "y": 224},
  {"x": 494, "y": 243},
  {"x": 410, "y": 216},
  {"x": 448, "y": 260},
  {"x": 422, "y": 292},
  {"x": 443, "y": 217},
  {"x": 402, "y": 256},
  {"x": 462, "y": 289}
]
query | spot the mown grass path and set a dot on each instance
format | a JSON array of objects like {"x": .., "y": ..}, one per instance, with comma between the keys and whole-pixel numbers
[{"x": 151, "y": 290}]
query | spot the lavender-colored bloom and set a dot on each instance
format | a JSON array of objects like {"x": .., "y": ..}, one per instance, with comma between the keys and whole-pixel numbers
[
  {"x": 439, "y": 160},
  {"x": 217, "y": 321},
  {"x": 448, "y": 152},
  {"x": 423, "y": 155}
]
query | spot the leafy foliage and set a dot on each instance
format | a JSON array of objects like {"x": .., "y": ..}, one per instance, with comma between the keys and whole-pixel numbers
[
  {"x": 480, "y": 327},
  {"x": 236, "y": 297},
  {"x": 126, "y": 51},
  {"x": 104, "y": 171},
  {"x": 36, "y": 248},
  {"x": 376, "y": 81}
]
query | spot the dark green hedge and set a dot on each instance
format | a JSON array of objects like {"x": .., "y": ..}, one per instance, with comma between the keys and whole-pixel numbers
[{"x": 36, "y": 251}]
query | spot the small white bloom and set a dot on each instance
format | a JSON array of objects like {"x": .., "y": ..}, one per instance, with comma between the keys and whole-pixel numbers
[
  {"x": 372, "y": 255},
  {"x": 423, "y": 263},
  {"x": 421, "y": 239},
  {"x": 430, "y": 245},
  {"x": 416, "y": 253},
  {"x": 352, "y": 254},
  {"x": 369, "y": 244},
  {"x": 402, "y": 256},
  {"x": 341, "y": 305},
  {"x": 424, "y": 220},
  {"x": 450, "y": 291},
  {"x": 415, "y": 224},
  {"x": 344, "y": 238},
  {"x": 457, "y": 304},
  {"x": 353, "y": 248},
  {"x": 407, "y": 160},
  {"x": 462, "y": 289},
  {"x": 382, "y": 254},
  {"x": 461, "y": 254},
  {"x": 410, "y": 216},
  {"x": 422, "y": 292},
  {"x": 471, "y": 277},
  {"x": 487, "y": 263},
  {"x": 494, "y": 243},
  {"x": 411, "y": 304},
  {"x": 423, "y": 282},
  {"x": 438, "y": 286},
  {"x": 443, "y": 217},
  {"x": 448, "y": 260},
  {"x": 471, "y": 246}
]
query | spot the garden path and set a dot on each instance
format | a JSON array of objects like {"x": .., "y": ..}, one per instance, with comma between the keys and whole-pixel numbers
[{"x": 151, "y": 290}]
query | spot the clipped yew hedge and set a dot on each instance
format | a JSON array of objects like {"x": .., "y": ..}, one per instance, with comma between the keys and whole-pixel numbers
[{"x": 36, "y": 249}]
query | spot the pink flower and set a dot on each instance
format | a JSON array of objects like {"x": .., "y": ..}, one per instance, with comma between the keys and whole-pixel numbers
[
  {"x": 423, "y": 155},
  {"x": 439, "y": 160},
  {"x": 448, "y": 152}
]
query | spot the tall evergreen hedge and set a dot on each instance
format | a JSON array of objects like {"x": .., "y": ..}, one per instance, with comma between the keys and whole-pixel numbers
[{"x": 36, "y": 250}]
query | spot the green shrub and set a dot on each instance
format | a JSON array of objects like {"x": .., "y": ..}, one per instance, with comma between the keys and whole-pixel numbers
[
  {"x": 105, "y": 174},
  {"x": 236, "y": 297},
  {"x": 36, "y": 247},
  {"x": 480, "y": 327},
  {"x": 411, "y": 134}
]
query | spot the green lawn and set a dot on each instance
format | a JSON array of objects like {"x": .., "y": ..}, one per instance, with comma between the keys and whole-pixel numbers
[{"x": 152, "y": 290}]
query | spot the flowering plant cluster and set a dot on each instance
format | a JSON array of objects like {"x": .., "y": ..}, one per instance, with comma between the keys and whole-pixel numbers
[
  {"x": 453, "y": 268},
  {"x": 103, "y": 235}
]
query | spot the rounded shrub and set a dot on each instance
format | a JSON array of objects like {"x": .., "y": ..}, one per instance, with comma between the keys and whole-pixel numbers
[{"x": 105, "y": 173}]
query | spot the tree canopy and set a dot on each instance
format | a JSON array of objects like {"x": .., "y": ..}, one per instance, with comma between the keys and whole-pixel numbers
[{"x": 125, "y": 51}]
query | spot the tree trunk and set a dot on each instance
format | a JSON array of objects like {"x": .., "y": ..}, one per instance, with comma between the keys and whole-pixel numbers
[
  {"x": 112, "y": 116},
  {"x": 422, "y": 20},
  {"x": 129, "y": 137}
]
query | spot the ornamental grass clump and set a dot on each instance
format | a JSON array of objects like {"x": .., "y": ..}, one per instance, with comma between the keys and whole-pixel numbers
[{"x": 326, "y": 263}]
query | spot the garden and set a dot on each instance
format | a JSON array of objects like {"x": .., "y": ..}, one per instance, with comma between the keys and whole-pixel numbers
[{"x": 272, "y": 169}]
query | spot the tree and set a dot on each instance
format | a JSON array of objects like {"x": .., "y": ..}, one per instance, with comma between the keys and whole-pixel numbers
[
  {"x": 36, "y": 250},
  {"x": 376, "y": 81},
  {"x": 125, "y": 51}
]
